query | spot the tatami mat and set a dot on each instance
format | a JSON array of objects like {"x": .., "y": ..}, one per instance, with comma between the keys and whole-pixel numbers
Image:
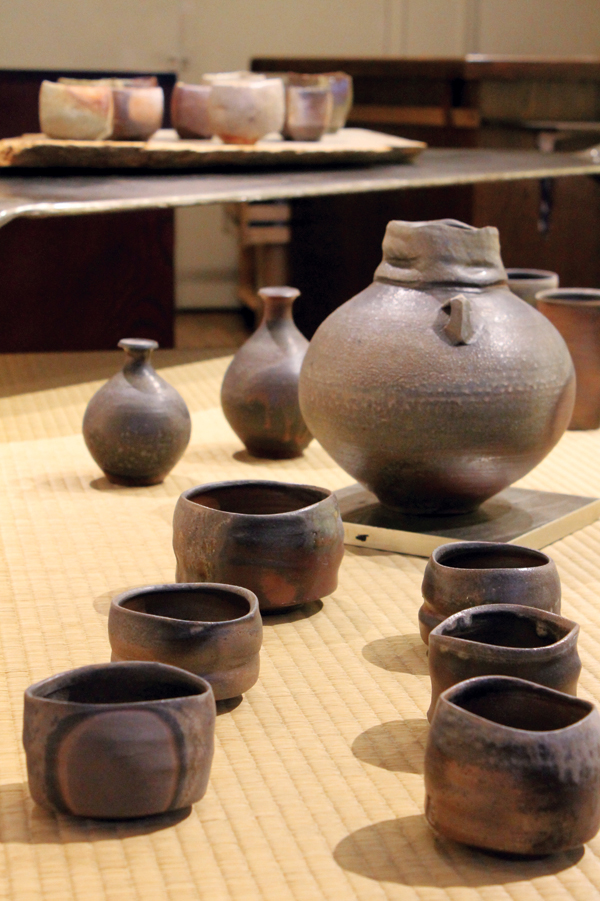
[{"x": 316, "y": 789}]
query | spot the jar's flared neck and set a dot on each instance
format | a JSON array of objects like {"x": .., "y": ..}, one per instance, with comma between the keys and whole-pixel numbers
[{"x": 443, "y": 251}]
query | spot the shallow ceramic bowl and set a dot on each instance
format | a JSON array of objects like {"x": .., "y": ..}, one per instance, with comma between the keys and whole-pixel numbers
[
  {"x": 119, "y": 740},
  {"x": 504, "y": 640},
  {"x": 513, "y": 767},
  {"x": 469, "y": 573},
  {"x": 243, "y": 110},
  {"x": 284, "y": 542},
  {"x": 214, "y": 631},
  {"x": 526, "y": 283},
  {"x": 189, "y": 110}
]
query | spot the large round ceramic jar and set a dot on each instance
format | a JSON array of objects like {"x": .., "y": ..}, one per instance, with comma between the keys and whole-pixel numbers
[{"x": 436, "y": 387}]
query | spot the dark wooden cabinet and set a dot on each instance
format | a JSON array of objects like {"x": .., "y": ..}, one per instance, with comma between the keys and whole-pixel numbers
[
  {"x": 81, "y": 283},
  {"x": 472, "y": 102}
]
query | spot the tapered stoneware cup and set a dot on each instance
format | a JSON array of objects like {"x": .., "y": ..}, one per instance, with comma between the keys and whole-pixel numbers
[
  {"x": 214, "y": 631},
  {"x": 119, "y": 740},
  {"x": 469, "y": 573},
  {"x": 513, "y": 767},
  {"x": 189, "y": 110},
  {"x": 504, "y": 640},
  {"x": 284, "y": 542}
]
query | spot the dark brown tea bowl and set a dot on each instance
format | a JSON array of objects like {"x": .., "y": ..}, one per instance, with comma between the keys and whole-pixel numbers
[
  {"x": 119, "y": 740},
  {"x": 513, "y": 767},
  {"x": 214, "y": 631},
  {"x": 466, "y": 574},
  {"x": 504, "y": 640},
  {"x": 284, "y": 542}
]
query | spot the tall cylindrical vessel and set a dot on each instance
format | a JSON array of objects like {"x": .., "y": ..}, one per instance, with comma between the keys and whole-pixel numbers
[{"x": 436, "y": 387}]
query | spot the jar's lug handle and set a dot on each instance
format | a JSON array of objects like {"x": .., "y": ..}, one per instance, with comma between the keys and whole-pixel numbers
[{"x": 459, "y": 329}]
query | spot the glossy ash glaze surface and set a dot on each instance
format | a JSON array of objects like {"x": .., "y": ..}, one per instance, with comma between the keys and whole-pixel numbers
[
  {"x": 119, "y": 740},
  {"x": 469, "y": 573},
  {"x": 436, "y": 387},
  {"x": 284, "y": 542},
  {"x": 259, "y": 394},
  {"x": 513, "y": 767},
  {"x": 504, "y": 640},
  {"x": 214, "y": 631},
  {"x": 137, "y": 426},
  {"x": 575, "y": 312}
]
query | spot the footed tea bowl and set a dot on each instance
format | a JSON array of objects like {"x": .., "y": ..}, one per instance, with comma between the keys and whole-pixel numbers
[
  {"x": 504, "y": 640},
  {"x": 469, "y": 573},
  {"x": 214, "y": 631},
  {"x": 119, "y": 740},
  {"x": 513, "y": 767},
  {"x": 284, "y": 542}
]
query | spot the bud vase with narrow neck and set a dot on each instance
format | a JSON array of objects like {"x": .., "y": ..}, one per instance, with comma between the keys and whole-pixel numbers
[
  {"x": 137, "y": 426},
  {"x": 259, "y": 394}
]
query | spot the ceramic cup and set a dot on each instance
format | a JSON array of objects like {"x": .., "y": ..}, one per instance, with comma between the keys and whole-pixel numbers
[
  {"x": 189, "y": 110},
  {"x": 243, "y": 110},
  {"x": 214, "y": 631},
  {"x": 575, "y": 312},
  {"x": 283, "y": 542},
  {"x": 341, "y": 87},
  {"x": 513, "y": 767},
  {"x": 504, "y": 640},
  {"x": 469, "y": 573},
  {"x": 119, "y": 740},
  {"x": 138, "y": 111},
  {"x": 308, "y": 112},
  {"x": 526, "y": 283}
]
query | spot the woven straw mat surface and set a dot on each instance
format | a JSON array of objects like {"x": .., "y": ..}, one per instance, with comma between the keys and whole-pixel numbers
[{"x": 316, "y": 789}]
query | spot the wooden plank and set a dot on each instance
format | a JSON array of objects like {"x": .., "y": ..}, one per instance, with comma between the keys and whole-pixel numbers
[{"x": 167, "y": 151}]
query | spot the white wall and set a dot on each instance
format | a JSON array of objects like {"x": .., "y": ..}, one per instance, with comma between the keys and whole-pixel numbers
[{"x": 195, "y": 36}]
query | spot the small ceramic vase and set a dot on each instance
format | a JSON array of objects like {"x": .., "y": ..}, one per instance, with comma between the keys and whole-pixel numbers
[
  {"x": 341, "y": 87},
  {"x": 76, "y": 111},
  {"x": 119, "y": 740},
  {"x": 259, "y": 394},
  {"x": 469, "y": 573},
  {"x": 244, "y": 110},
  {"x": 575, "y": 312},
  {"x": 137, "y": 426},
  {"x": 526, "y": 283},
  {"x": 189, "y": 110},
  {"x": 283, "y": 542},
  {"x": 308, "y": 112},
  {"x": 214, "y": 631},
  {"x": 513, "y": 767},
  {"x": 504, "y": 640}
]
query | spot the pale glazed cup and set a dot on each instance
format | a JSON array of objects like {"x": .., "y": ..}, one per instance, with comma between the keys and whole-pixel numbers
[
  {"x": 504, "y": 640},
  {"x": 211, "y": 630},
  {"x": 513, "y": 767},
  {"x": 244, "y": 110},
  {"x": 469, "y": 573},
  {"x": 526, "y": 283},
  {"x": 119, "y": 740}
]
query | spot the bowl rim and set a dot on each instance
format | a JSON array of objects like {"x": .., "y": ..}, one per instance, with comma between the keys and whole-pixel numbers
[
  {"x": 35, "y": 693},
  {"x": 186, "y": 496},
  {"x": 118, "y": 602},
  {"x": 499, "y": 546}
]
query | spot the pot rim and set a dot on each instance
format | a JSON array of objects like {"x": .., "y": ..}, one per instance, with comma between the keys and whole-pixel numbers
[
  {"x": 119, "y": 601},
  {"x": 236, "y": 483},
  {"x": 588, "y": 297},
  {"x": 518, "y": 610},
  {"x": 35, "y": 692},
  {"x": 520, "y": 273},
  {"x": 466, "y": 546},
  {"x": 446, "y": 697}
]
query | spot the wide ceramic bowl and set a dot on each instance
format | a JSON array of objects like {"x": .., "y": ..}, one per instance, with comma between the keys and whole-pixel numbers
[
  {"x": 284, "y": 542},
  {"x": 119, "y": 740},
  {"x": 504, "y": 640},
  {"x": 469, "y": 573},
  {"x": 244, "y": 110},
  {"x": 214, "y": 631},
  {"x": 513, "y": 767}
]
